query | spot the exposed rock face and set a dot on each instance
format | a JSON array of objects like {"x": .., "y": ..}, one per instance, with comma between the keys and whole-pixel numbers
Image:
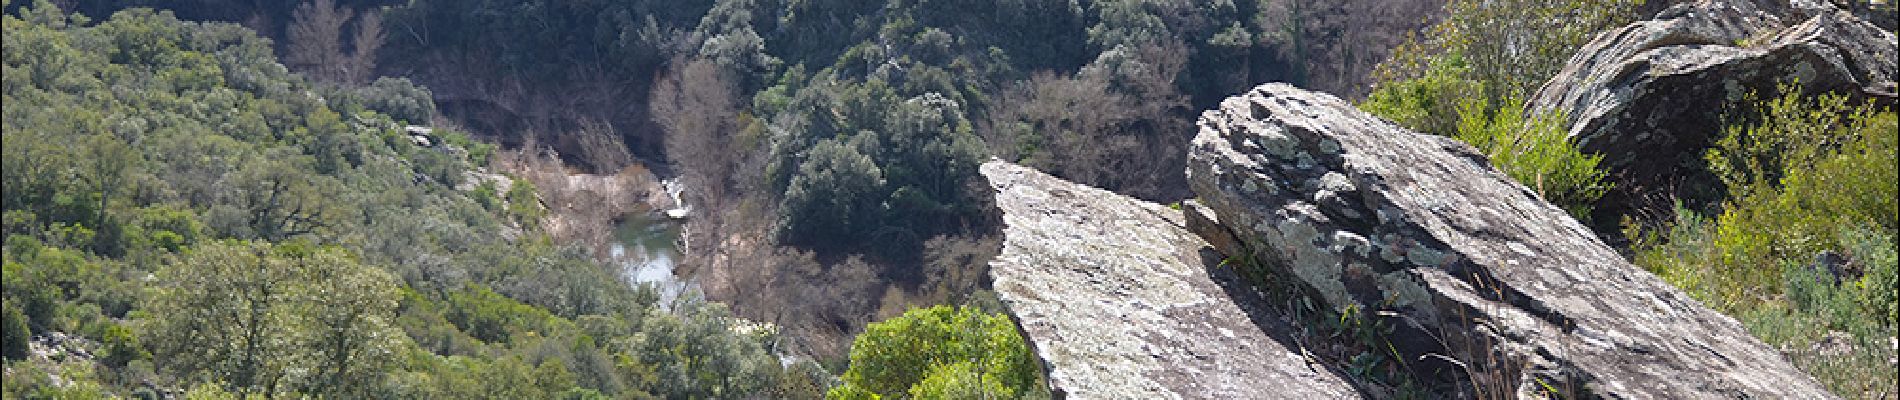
[
  {"x": 1120, "y": 301},
  {"x": 1649, "y": 96},
  {"x": 1372, "y": 216}
]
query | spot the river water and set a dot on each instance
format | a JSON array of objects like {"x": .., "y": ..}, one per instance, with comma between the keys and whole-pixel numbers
[{"x": 646, "y": 248}]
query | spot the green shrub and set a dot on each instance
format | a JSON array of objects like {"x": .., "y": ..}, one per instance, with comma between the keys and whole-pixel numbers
[
  {"x": 1533, "y": 149},
  {"x": 494, "y": 318},
  {"x": 486, "y": 195},
  {"x": 960, "y": 380},
  {"x": 14, "y": 334},
  {"x": 1805, "y": 207},
  {"x": 121, "y": 345},
  {"x": 1880, "y": 287},
  {"x": 1429, "y": 103},
  {"x": 1788, "y": 133},
  {"x": 1809, "y": 175},
  {"x": 399, "y": 98},
  {"x": 524, "y": 205},
  {"x": 1536, "y": 152},
  {"x": 940, "y": 350}
]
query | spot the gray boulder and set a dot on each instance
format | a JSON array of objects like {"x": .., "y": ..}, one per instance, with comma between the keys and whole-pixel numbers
[
  {"x": 1649, "y": 96},
  {"x": 1119, "y": 300},
  {"x": 1421, "y": 232}
]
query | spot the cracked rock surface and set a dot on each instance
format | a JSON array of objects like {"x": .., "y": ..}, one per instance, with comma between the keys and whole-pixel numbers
[
  {"x": 1120, "y": 300},
  {"x": 1422, "y": 231}
]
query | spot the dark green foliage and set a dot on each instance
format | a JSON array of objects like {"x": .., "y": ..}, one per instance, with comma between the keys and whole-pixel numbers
[
  {"x": 14, "y": 334},
  {"x": 906, "y": 181},
  {"x": 863, "y": 166},
  {"x": 834, "y": 195},
  {"x": 395, "y": 97},
  {"x": 207, "y": 220},
  {"x": 488, "y": 316}
]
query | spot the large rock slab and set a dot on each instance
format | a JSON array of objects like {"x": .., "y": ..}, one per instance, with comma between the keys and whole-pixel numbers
[
  {"x": 1120, "y": 301},
  {"x": 1421, "y": 230},
  {"x": 1649, "y": 96}
]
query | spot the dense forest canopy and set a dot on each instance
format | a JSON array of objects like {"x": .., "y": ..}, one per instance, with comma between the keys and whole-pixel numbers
[{"x": 195, "y": 216}]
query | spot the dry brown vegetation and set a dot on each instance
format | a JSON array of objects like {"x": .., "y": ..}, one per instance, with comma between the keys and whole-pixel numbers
[
  {"x": 316, "y": 42},
  {"x": 1133, "y": 110},
  {"x": 582, "y": 208}
]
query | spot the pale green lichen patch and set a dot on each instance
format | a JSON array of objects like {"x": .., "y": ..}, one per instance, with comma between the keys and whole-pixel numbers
[
  {"x": 1336, "y": 182},
  {"x": 1311, "y": 263},
  {"x": 1426, "y": 256},
  {"x": 1275, "y": 140},
  {"x": 1405, "y": 292},
  {"x": 1329, "y": 146}
]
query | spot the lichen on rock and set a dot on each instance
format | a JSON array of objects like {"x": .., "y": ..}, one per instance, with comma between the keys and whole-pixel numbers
[
  {"x": 1648, "y": 96},
  {"x": 1420, "y": 230},
  {"x": 1120, "y": 300}
]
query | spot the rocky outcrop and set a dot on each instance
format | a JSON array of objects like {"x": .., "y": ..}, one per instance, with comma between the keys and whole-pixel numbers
[
  {"x": 1422, "y": 232},
  {"x": 1120, "y": 301},
  {"x": 1649, "y": 96}
]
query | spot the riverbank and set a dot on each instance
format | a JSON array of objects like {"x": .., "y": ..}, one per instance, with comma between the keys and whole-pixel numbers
[{"x": 585, "y": 208}]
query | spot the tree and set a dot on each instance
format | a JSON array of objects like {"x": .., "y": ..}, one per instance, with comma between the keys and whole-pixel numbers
[
  {"x": 274, "y": 319},
  {"x": 1134, "y": 110},
  {"x": 697, "y": 103},
  {"x": 347, "y": 320},
  {"x": 929, "y": 157},
  {"x": 281, "y": 199},
  {"x": 1512, "y": 46},
  {"x": 221, "y": 313},
  {"x": 14, "y": 333},
  {"x": 368, "y": 39},
  {"x": 602, "y": 146},
  {"x": 941, "y": 350},
  {"x": 108, "y": 159},
  {"x": 834, "y": 197},
  {"x": 695, "y": 353},
  {"x": 1037, "y": 126},
  {"x": 727, "y": 39},
  {"x": 316, "y": 38}
]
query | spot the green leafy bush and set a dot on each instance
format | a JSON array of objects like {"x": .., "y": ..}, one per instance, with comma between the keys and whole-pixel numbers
[
  {"x": 835, "y": 194},
  {"x": 1430, "y": 103},
  {"x": 1789, "y": 133},
  {"x": 1512, "y": 46},
  {"x": 1818, "y": 194},
  {"x": 941, "y": 350},
  {"x": 1809, "y": 176},
  {"x": 14, "y": 334},
  {"x": 524, "y": 205},
  {"x": 1535, "y": 151}
]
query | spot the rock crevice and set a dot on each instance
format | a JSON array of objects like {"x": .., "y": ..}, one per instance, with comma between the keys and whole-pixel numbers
[
  {"x": 1368, "y": 215},
  {"x": 1650, "y": 96},
  {"x": 1120, "y": 300}
]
